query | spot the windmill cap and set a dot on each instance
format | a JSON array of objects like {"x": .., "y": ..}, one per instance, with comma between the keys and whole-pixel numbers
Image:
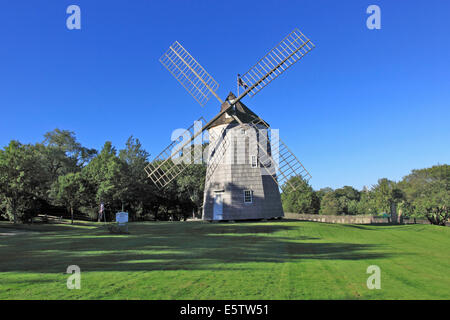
[{"x": 241, "y": 111}]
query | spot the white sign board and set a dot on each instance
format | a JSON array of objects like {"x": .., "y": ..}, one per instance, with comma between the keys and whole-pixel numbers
[{"x": 121, "y": 217}]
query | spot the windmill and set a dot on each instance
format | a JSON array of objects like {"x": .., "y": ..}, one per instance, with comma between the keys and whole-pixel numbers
[{"x": 247, "y": 164}]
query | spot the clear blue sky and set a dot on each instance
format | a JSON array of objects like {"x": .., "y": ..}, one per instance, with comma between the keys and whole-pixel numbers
[{"x": 364, "y": 104}]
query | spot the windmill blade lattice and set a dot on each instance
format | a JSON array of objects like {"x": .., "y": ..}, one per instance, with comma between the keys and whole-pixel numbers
[
  {"x": 165, "y": 167},
  {"x": 288, "y": 164},
  {"x": 290, "y": 50},
  {"x": 192, "y": 76},
  {"x": 221, "y": 143}
]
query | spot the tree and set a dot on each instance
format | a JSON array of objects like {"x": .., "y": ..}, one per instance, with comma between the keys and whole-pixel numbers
[
  {"x": 107, "y": 176},
  {"x": 348, "y": 198},
  {"x": 367, "y": 203},
  {"x": 382, "y": 193},
  {"x": 340, "y": 201},
  {"x": 322, "y": 192},
  {"x": 352, "y": 207},
  {"x": 434, "y": 204},
  {"x": 63, "y": 154},
  {"x": 66, "y": 142},
  {"x": 141, "y": 195},
  {"x": 427, "y": 192},
  {"x": 301, "y": 200},
  {"x": 191, "y": 185},
  {"x": 348, "y": 192},
  {"x": 330, "y": 205},
  {"x": 69, "y": 190},
  {"x": 20, "y": 181},
  {"x": 387, "y": 195}
]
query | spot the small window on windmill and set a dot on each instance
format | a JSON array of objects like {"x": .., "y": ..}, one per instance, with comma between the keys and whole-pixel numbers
[
  {"x": 248, "y": 196},
  {"x": 242, "y": 131},
  {"x": 254, "y": 161}
]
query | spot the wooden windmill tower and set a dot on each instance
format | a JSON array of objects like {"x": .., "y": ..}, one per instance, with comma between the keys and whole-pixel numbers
[{"x": 246, "y": 162}]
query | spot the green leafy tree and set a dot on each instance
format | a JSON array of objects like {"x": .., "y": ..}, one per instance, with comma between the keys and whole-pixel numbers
[
  {"x": 323, "y": 191},
  {"x": 330, "y": 205},
  {"x": 427, "y": 193},
  {"x": 382, "y": 192},
  {"x": 340, "y": 201},
  {"x": 301, "y": 200},
  {"x": 348, "y": 192},
  {"x": 190, "y": 188},
  {"x": 352, "y": 207},
  {"x": 367, "y": 203},
  {"x": 63, "y": 153},
  {"x": 348, "y": 198},
  {"x": 65, "y": 141},
  {"x": 60, "y": 154},
  {"x": 434, "y": 203},
  {"x": 387, "y": 195},
  {"x": 108, "y": 176},
  {"x": 69, "y": 190},
  {"x": 20, "y": 181},
  {"x": 141, "y": 194}
]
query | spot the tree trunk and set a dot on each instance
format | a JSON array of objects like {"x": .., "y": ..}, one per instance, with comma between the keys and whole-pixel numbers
[
  {"x": 71, "y": 213},
  {"x": 156, "y": 209},
  {"x": 393, "y": 209},
  {"x": 13, "y": 209}
]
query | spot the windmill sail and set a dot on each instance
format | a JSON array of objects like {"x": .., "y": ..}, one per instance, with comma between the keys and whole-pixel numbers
[
  {"x": 290, "y": 50},
  {"x": 217, "y": 151},
  {"x": 172, "y": 161},
  {"x": 279, "y": 162},
  {"x": 192, "y": 76}
]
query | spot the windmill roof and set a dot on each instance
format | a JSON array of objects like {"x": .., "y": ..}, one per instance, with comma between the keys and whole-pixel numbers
[{"x": 242, "y": 112}]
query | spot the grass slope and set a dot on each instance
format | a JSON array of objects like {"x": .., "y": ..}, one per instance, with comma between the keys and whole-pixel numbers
[{"x": 195, "y": 260}]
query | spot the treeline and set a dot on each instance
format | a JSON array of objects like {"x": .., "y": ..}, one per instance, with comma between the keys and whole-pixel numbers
[
  {"x": 424, "y": 193},
  {"x": 61, "y": 177}
]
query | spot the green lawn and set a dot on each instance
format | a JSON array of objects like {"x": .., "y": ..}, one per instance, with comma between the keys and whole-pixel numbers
[{"x": 196, "y": 260}]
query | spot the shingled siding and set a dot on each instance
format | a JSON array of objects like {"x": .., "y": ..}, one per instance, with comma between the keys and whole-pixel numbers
[
  {"x": 233, "y": 174},
  {"x": 336, "y": 219}
]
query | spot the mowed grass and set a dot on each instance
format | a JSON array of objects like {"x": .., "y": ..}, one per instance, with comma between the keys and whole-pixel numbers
[{"x": 196, "y": 260}]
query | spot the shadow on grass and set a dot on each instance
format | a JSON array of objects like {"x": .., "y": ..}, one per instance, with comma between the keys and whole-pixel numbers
[
  {"x": 373, "y": 226},
  {"x": 173, "y": 246},
  {"x": 40, "y": 227}
]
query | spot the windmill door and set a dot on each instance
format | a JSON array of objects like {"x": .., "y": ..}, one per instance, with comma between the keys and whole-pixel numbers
[{"x": 218, "y": 206}]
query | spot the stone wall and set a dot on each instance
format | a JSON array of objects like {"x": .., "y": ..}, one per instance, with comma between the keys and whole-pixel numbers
[
  {"x": 358, "y": 219},
  {"x": 336, "y": 219}
]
